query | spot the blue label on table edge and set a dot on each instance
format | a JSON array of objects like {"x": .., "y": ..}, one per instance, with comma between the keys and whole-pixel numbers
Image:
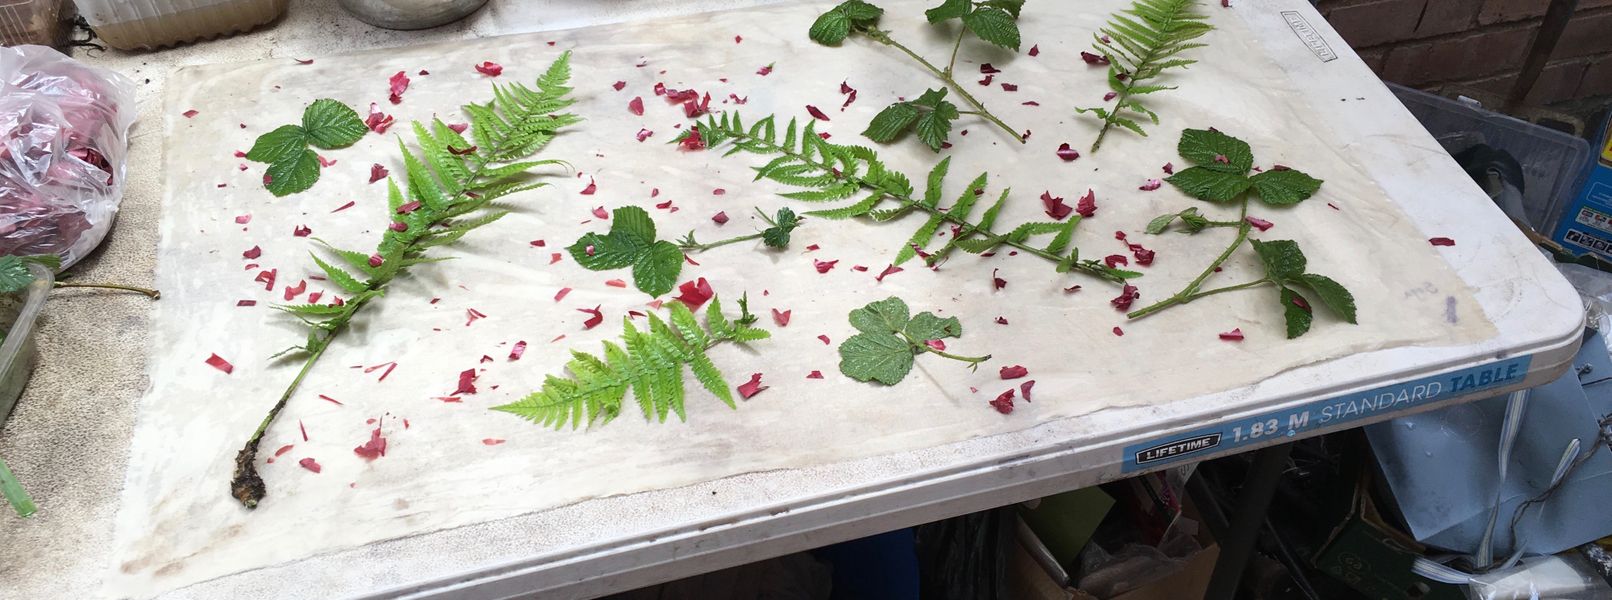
[{"x": 1290, "y": 422}]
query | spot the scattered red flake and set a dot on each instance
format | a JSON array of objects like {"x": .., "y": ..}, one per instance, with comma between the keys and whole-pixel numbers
[
  {"x": 997, "y": 281},
  {"x": 284, "y": 449},
  {"x": 643, "y": 134},
  {"x": 636, "y": 105},
  {"x": 781, "y": 318},
  {"x": 374, "y": 448},
  {"x": 398, "y": 226},
  {"x": 1093, "y": 59},
  {"x": 346, "y": 206},
  {"x": 458, "y": 127},
  {"x": 518, "y": 350},
  {"x": 815, "y": 113},
  {"x": 538, "y": 243},
  {"x": 824, "y": 338},
  {"x": 253, "y": 253},
  {"x": 243, "y": 219},
  {"x": 986, "y": 81},
  {"x": 812, "y": 248},
  {"x": 1334, "y": 206},
  {"x": 987, "y": 69},
  {"x": 1004, "y": 402},
  {"x": 1024, "y": 388},
  {"x": 665, "y": 205},
  {"x": 693, "y": 294},
  {"x": 738, "y": 39},
  {"x": 616, "y": 283},
  {"x": 490, "y": 69},
  {"x": 560, "y": 295},
  {"x": 1087, "y": 205},
  {"x": 593, "y": 186},
  {"x": 246, "y": 303},
  {"x": 190, "y": 113},
  {"x": 1001, "y": 321},
  {"x": 858, "y": 268},
  {"x": 301, "y": 231},
  {"x": 292, "y": 291},
  {"x": 467, "y": 382},
  {"x": 814, "y": 375},
  {"x": 1119, "y": 332},
  {"x": 239, "y": 154},
  {"x": 303, "y": 62},
  {"x": 1144, "y": 257},
  {"x": 376, "y": 261},
  {"x": 1225, "y": 3},
  {"x": 399, "y": 83},
  {"x": 491, "y": 441},
  {"x": 1110, "y": 96},
  {"x": 734, "y": 98},
  {"x": 1441, "y": 241},
  {"x": 1169, "y": 169},
  {"x": 304, "y": 429},
  {"x": 1116, "y": 259},
  {"x": 1055, "y": 206},
  {"x": 408, "y": 207},
  {"x": 682, "y": 95},
  {"x": 1008, "y": 87},
  {"x": 593, "y": 321},
  {"x": 936, "y": 345},
  {"x": 1035, "y": 50},
  {"x": 1127, "y": 295},
  {"x": 387, "y": 365},
  {"x": 850, "y": 94},
  {"x": 764, "y": 71},
  {"x": 218, "y": 362},
  {"x": 452, "y": 399},
  {"x": 378, "y": 121},
  {"x": 267, "y": 278},
  {"x": 310, "y": 464},
  {"x": 1258, "y": 223},
  {"x": 554, "y": 258},
  {"x": 825, "y": 135},
  {"x": 693, "y": 141},
  {"x": 1235, "y": 335},
  {"x": 314, "y": 297},
  {"x": 324, "y": 162},
  {"x": 1300, "y": 302},
  {"x": 1066, "y": 153},
  {"x": 752, "y": 387},
  {"x": 888, "y": 271},
  {"x": 1030, "y": 103},
  {"x": 1152, "y": 184},
  {"x": 823, "y": 266},
  {"x": 330, "y": 400},
  {"x": 1013, "y": 372},
  {"x": 471, "y": 315}
]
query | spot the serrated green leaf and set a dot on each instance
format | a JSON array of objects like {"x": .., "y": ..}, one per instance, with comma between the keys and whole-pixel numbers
[
  {"x": 293, "y": 175},
  {"x": 830, "y": 28},
  {"x": 1012, "y": 6},
  {"x": 1297, "y": 316},
  {"x": 1282, "y": 259},
  {"x": 932, "y": 186},
  {"x": 880, "y": 357},
  {"x": 861, "y": 207},
  {"x": 1208, "y": 184},
  {"x": 1332, "y": 294},
  {"x": 1160, "y": 223},
  {"x": 608, "y": 252},
  {"x": 948, "y": 9},
  {"x": 926, "y": 326},
  {"x": 1284, "y": 187},
  {"x": 329, "y": 124},
  {"x": 341, "y": 278},
  {"x": 891, "y": 122},
  {"x": 285, "y": 142},
  {"x": 995, "y": 26},
  {"x": 884, "y": 316},
  {"x": 1207, "y": 148},
  {"x": 14, "y": 274},
  {"x": 934, "y": 126},
  {"x": 656, "y": 268},
  {"x": 633, "y": 225}
]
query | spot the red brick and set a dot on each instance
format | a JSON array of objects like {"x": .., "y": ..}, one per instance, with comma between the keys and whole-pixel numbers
[
  {"x": 1447, "y": 16},
  {"x": 1370, "y": 24},
  {"x": 1374, "y": 59},
  {"x": 1466, "y": 58},
  {"x": 1597, "y": 80},
  {"x": 1505, "y": 11},
  {"x": 1557, "y": 82},
  {"x": 1586, "y": 35}
]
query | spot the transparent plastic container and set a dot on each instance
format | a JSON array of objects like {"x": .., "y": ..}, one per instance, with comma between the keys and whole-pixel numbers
[
  {"x": 132, "y": 24},
  {"x": 38, "y": 22},
  {"x": 18, "y": 312}
]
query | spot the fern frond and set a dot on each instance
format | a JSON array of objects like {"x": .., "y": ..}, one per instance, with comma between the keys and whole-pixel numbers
[
  {"x": 1140, "y": 44},
  {"x": 650, "y": 362}
]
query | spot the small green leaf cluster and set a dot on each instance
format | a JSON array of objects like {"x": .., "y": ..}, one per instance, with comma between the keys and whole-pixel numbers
[
  {"x": 631, "y": 243},
  {"x": 834, "y": 26},
  {"x": 1221, "y": 167},
  {"x": 1141, "y": 43},
  {"x": 649, "y": 362},
  {"x": 1284, "y": 266},
  {"x": 993, "y": 21},
  {"x": 833, "y": 173},
  {"x": 14, "y": 273},
  {"x": 1192, "y": 221},
  {"x": 777, "y": 234},
  {"x": 293, "y": 167},
  {"x": 889, "y": 339},
  {"x": 930, "y": 114}
]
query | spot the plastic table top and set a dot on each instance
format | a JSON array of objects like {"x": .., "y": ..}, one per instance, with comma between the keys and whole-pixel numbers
[{"x": 663, "y": 535}]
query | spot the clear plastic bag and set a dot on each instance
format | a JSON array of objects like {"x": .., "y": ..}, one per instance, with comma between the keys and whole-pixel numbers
[{"x": 63, "y": 142}]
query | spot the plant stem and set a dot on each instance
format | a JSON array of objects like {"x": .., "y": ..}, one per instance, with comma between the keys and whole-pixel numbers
[
  {"x": 153, "y": 294},
  {"x": 946, "y": 77},
  {"x": 973, "y": 361},
  {"x": 952, "y": 65},
  {"x": 12, "y": 490},
  {"x": 1190, "y": 292},
  {"x": 247, "y": 486},
  {"x": 717, "y": 244}
]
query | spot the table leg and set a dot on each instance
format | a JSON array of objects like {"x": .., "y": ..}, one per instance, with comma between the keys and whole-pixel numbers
[{"x": 1237, "y": 545}]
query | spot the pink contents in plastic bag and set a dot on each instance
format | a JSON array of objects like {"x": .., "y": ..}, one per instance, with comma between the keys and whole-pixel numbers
[{"x": 63, "y": 140}]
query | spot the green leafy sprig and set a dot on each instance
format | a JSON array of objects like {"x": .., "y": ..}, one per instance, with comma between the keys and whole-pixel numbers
[
  {"x": 293, "y": 167},
  {"x": 15, "y": 495},
  {"x": 832, "y": 173},
  {"x": 1220, "y": 176},
  {"x": 648, "y": 362},
  {"x": 776, "y": 235},
  {"x": 15, "y": 277},
  {"x": 631, "y": 243},
  {"x": 992, "y": 21},
  {"x": 1140, "y": 44},
  {"x": 452, "y": 185},
  {"x": 891, "y": 338}
]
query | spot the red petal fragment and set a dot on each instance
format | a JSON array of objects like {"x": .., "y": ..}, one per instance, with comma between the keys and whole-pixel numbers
[
  {"x": 292, "y": 291},
  {"x": 310, "y": 464},
  {"x": 1013, "y": 372},
  {"x": 1093, "y": 59},
  {"x": 343, "y": 207},
  {"x": 378, "y": 121},
  {"x": 467, "y": 382},
  {"x": 814, "y": 375},
  {"x": 246, "y": 303},
  {"x": 471, "y": 315},
  {"x": 330, "y": 400},
  {"x": 519, "y": 350},
  {"x": 888, "y": 271},
  {"x": 253, "y": 253},
  {"x": 554, "y": 258},
  {"x": 190, "y": 113},
  {"x": 408, "y": 207},
  {"x": 599, "y": 212},
  {"x": 1260, "y": 224},
  {"x": 1066, "y": 153},
  {"x": 490, "y": 69},
  {"x": 593, "y": 321},
  {"x": 374, "y": 448},
  {"x": 284, "y": 449},
  {"x": 376, "y": 261},
  {"x": 1087, "y": 205},
  {"x": 936, "y": 345},
  {"x": 218, "y": 362},
  {"x": 1119, "y": 332},
  {"x": 1001, "y": 321},
  {"x": 1300, "y": 302},
  {"x": 593, "y": 186},
  {"x": 1008, "y": 87},
  {"x": 636, "y": 105},
  {"x": 1004, "y": 403},
  {"x": 1116, "y": 259},
  {"x": 301, "y": 231},
  {"x": 1110, "y": 96},
  {"x": 987, "y": 80},
  {"x": 752, "y": 387},
  {"x": 738, "y": 38},
  {"x": 823, "y": 266},
  {"x": 664, "y": 205},
  {"x": 452, "y": 399},
  {"x": 560, "y": 295},
  {"x": 781, "y": 318},
  {"x": 239, "y": 154},
  {"x": 491, "y": 441},
  {"x": 1024, "y": 388},
  {"x": 1144, "y": 257},
  {"x": 693, "y": 294},
  {"x": 398, "y": 226},
  {"x": 850, "y": 92},
  {"x": 1030, "y": 103},
  {"x": 1055, "y": 206},
  {"x": 1235, "y": 335},
  {"x": 303, "y": 62},
  {"x": 693, "y": 141},
  {"x": 720, "y": 217},
  {"x": 815, "y": 113},
  {"x": 243, "y": 219},
  {"x": 1169, "y": 169},
  {"x": 1126, "y": 296},
  {"x": 643, "y": 134},
  {"x": 324, "y": 162},
  {"x": 538, "y": 243},
  {"x": 456, "y": 151},
  {"x": 267, "y": 278},
  {"x": 304, "y": 430},
  {"x": 1441, "y": 241},
  {"x": 997, "y": 281},
  {"x": 764, "y": 71},
  {"x": 616, "y": 283},
  {"x": 399, "y": 83},
  {"x": 377, "y": 172},
  {"x": 987, "y": 69},
  {"x": 1334, "y": 206},
  {"x": 824, "y": 338},
  {"x": 1225, "y": 3},
  {"x": 1035, "y": 50},
  {"x": 1152, "y": 184}
]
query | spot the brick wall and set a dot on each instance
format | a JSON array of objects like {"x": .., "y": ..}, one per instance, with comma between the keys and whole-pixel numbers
[{"x": 1479, "y": 44}]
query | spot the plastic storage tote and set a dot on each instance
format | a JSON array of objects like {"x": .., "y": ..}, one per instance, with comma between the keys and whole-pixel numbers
[
  {"x": 17, "y": 315},
  {"x": 39, "y": 22},
  {"x": 131, "y": 24}
]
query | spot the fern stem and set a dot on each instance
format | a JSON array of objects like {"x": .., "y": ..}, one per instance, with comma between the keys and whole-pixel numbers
[
  {"x": 152, "y": 294},
  {"x": 946, "y": 76},
  {"x": 1190, "y": 292}
]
